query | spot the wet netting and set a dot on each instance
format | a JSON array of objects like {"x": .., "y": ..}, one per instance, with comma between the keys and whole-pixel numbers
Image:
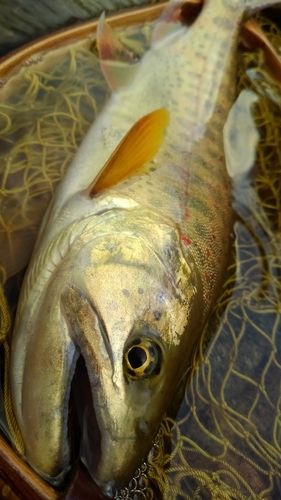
[{"x": 225, "y": 442}]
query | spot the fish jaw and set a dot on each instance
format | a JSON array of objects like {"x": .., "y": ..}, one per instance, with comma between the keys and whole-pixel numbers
[{"x": 42, "y": 366}]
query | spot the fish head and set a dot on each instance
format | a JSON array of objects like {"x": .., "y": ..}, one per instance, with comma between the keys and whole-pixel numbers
[{"x": 134, "y": 315}]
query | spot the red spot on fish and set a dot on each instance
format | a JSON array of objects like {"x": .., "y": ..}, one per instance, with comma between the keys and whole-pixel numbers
[
  {"x": 206, "y": 277},
  {"x": 186, "y": 193},
  {"x": 208, "y": 253},
  {"x": 187, "y": 215},
  {"x": 185, "y": 240}
]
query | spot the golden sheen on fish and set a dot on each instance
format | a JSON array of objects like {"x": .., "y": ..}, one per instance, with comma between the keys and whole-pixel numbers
[{"x": 132, "y": 252}]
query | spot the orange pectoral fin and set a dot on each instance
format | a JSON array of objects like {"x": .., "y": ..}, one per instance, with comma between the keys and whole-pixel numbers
[{"x": 139, "y": 146}]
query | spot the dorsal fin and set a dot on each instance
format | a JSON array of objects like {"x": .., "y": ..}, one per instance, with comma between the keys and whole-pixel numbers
[{"x": 139, "y": 146}]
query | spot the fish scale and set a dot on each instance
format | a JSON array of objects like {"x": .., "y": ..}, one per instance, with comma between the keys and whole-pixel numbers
[{"x": 131, "y": 254}]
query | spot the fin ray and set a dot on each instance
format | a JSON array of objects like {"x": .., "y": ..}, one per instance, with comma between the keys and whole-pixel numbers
[
  {"x": 118, "y": 64},
  {"x": 139, "y": 146}
]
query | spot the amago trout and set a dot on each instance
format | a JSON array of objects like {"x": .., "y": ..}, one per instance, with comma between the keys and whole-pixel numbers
[{"x": 132, "y": 252}]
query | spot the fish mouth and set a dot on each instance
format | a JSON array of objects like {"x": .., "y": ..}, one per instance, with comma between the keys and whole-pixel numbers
[
  {"x": 87, "y": 387},
  {"x": 83, "y": 425},
  {"x": 85, "y": 433}
]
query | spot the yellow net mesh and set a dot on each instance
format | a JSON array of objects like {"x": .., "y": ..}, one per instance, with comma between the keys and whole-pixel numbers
[{"x": 225, "y": 441}]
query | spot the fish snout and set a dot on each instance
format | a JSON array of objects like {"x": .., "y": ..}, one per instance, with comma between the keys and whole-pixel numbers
[{"x": 120, "y": 462}]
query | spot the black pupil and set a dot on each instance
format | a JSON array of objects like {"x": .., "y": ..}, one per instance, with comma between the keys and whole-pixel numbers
[{"x": 137, "y": 357}]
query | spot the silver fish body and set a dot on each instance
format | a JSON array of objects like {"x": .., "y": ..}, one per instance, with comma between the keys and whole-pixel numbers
[{"x": 127, "y": 278}]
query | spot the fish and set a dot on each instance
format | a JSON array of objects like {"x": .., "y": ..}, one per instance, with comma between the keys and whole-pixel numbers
[{"x": 132, "y": 252}]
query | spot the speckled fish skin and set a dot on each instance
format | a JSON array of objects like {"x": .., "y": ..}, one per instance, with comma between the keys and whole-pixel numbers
[{"x": 144, "y": 260}]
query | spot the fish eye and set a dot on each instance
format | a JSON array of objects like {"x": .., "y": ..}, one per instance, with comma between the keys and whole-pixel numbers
[{"x": 142, "y": 359}]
